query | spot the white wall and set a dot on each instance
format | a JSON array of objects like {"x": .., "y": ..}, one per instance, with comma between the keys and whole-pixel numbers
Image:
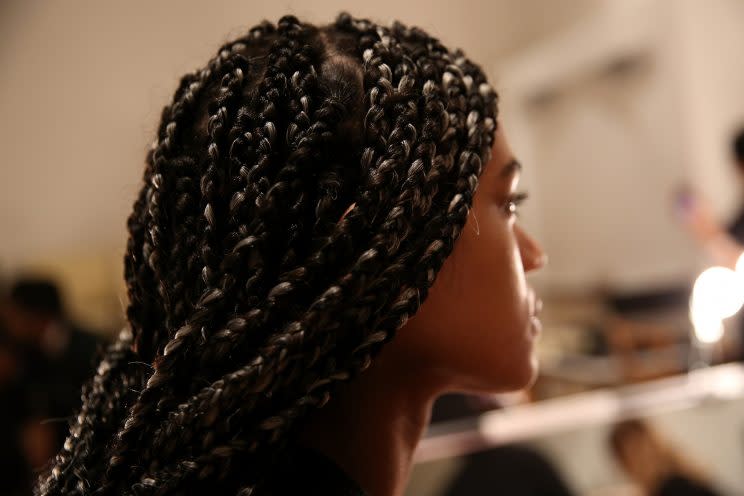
[
  {"x": 713, "y": 85},
  {"x": 610, "y": 148}
]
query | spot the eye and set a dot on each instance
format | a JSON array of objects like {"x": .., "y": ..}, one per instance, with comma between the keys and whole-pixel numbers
[{"x": 513, "y": 202}]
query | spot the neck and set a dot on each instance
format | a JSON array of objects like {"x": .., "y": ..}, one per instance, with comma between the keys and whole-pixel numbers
[{"x": 372, "y": 425}]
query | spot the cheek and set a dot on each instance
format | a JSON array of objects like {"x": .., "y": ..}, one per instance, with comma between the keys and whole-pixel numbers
[
  {"x": 476, "y": 319},
  {"x": 495, "y": 315},
  {"x": 485, "y": 275}
]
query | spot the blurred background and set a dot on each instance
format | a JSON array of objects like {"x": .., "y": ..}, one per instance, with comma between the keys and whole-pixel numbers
[{"x": 625, "y": 115}]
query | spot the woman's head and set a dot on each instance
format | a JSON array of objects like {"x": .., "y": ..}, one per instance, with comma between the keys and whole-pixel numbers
[
  {"x": 303, "y": 194},
  {"x": 647, "y": 456},
  {"x": 636, "y": 446}
]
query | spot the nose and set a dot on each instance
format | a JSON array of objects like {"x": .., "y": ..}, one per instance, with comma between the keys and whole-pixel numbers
[{"x": 533, "y": 256}]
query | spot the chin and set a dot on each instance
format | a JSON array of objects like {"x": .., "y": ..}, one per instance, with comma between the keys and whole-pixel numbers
[
  {"x": 521, "y": 375},
  {"x": 530, "y": 376},
  {"x": 514, "y": 376},
  {"x": 522, "y": 380}
]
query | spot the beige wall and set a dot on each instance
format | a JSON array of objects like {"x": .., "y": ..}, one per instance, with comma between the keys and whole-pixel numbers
[
  {"x": 82, "y": 84},
  {"x": 608, "y": 149}
]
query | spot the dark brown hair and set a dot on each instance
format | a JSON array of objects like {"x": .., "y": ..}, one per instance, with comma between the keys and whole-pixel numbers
[{"x": 305, "y": 188}]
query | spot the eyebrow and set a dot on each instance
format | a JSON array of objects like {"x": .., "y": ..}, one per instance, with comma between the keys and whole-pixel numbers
[{"x": 511, "y": 168}]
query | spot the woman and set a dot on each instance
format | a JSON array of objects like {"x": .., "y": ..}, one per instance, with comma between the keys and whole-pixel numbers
[
  {"x": 658, "y": 467},
  {"x": 306, "y": 190}
]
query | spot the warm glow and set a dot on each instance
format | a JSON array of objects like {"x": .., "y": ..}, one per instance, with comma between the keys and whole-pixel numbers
[
  {"x": 708, "y": 329},
  {"x": 740, "y": 265},
  {"x": 718, "y": 293}
]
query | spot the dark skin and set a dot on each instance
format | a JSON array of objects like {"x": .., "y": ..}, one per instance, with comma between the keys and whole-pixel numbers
[{"x": 475, "y": 332}]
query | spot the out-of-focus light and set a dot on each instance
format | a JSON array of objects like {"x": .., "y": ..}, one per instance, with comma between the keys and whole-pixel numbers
[
  {"x": 740, "y": 265},
  {"x": 718, "y": 293},
  {"x": 708, "y": 329}
]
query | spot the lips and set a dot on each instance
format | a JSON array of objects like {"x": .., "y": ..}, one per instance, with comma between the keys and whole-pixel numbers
[{"x": 535, "y": 326}]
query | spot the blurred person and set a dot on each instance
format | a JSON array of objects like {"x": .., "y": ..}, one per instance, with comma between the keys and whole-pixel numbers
[
  {"x": 52, "y": 359},
  {"x": 57, "y": 354},
  {"x": 724, "y": 243},
  {"x": 15, "y": 476},
  {"x": 516, "y": 470},
  {"x": 659, "y": 468},
  {"x": 308, "y": 235}
]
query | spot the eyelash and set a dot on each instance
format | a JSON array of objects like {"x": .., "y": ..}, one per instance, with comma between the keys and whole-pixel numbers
[{"x": 513, "y": 203}]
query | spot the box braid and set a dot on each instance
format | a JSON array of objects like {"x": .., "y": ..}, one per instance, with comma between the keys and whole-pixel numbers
[{"x": 305, "y": 189}]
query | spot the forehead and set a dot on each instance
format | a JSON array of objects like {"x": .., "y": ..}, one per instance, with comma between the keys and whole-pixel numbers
[
  {"x": 500, "y": 150},
  {"x": 502, "y": 164}
]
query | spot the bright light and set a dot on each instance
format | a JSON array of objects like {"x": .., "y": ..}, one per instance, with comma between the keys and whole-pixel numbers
[
  {"x": 718, "y": 293},
  {"x": 740, "y": 265},
  {"x": 708, "y": 329}
]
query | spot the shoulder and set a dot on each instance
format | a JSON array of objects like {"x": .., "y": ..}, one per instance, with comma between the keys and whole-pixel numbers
[{"x": 677, "y": 485}]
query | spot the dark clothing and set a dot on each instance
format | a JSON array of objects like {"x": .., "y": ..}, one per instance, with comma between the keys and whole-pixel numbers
[
  {"x": 677, "y": 485},
  {"x": 53, "y": 383},
  {"x": 14, "y": 473},
  {"x": 44, "y": 388},
  {"x": 308, "y": 472},
  {"x": 514, "y": 470}
]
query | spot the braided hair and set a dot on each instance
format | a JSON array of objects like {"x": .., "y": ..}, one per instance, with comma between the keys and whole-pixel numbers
[{"x": 303, "y": 192}]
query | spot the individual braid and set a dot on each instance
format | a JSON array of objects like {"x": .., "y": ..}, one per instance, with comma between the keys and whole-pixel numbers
[{"x": 297, "y": 206}]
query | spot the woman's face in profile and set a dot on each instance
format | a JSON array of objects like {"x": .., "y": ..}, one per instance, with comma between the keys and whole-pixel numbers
[{"x": 479, "y": 324}]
